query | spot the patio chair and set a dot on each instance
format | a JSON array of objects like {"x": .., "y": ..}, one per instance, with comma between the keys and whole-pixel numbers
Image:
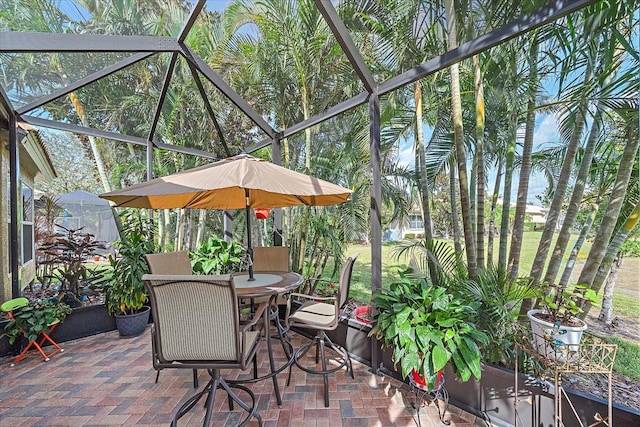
[
  {"x": 197, "y": 326},
  {"x": 270, "y": 258},
  {"x": 17, "y": 303},
  {"x": 322, "y": 314},
  {"x": 169, "y": 263},
  {"x": 273, "y": 258}
]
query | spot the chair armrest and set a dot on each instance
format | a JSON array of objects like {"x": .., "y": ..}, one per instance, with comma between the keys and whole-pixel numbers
[
  {"x": 313, "y": 297},
  {"x": 257, "y": 317}
]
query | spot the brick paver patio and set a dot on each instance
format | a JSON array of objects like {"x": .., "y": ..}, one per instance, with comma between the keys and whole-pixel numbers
[{"x": 106, "y": 380}]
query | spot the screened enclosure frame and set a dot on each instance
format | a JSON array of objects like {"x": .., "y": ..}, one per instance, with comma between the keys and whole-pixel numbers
[{"x": 143, "y": 47}]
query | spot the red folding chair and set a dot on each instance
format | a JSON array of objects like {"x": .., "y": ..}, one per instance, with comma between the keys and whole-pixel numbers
[{"x": 14, "y": 304}]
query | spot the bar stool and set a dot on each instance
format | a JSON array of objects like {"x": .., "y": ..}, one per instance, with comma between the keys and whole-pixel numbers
[{"x": 17, "y": 303}]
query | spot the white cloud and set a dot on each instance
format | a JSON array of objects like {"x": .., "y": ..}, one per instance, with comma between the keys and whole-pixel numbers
[
  {"x": 546, "y": 130},
  {"x": 406, "y": 156}
]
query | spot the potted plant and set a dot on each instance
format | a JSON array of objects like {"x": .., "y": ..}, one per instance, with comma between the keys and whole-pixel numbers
[
  {"x": 67, "y": 273},
  {"x": 556, "y": 329},
  {"x": 125, "y": 292},
  {"x": 35, "y": 317},
  {"x": 428, "y": 327},
  {"x": 216, "y": 256}
]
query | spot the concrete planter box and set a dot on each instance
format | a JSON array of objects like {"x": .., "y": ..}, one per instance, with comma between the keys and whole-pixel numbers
[
  {"x": 84, "y": 322},
  {"x": 492, "y": 397}
]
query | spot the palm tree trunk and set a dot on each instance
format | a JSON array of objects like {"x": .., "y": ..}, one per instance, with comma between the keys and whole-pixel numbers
[
  {"x": 612, "y": 249},
  {"x": 606, "y": 312},
  {"x": 421, "y": 165},
  {"x": 492, "y": 214},
  {"x": 525, "y": 166},
  {"x": 201, "y": 224},
  {"x": 97, "y": 156},
  {"x": 455, "y": 224},
  {"x": 305, "y": 217},
  {"x": 458, "y": 134},
  {"x": 506, "y": 193},
  {"x": 584, "y": 232},
  {"x": 561, "y": 188},
  {"x": 166, "y": 238},
  {"x": 480, "y": 228},
  {"x": 576, "y": 198},
  {"x": 556, "y": 203},
  {"x": 601, "y": 245},
  {"x": 422, "y": 173}
]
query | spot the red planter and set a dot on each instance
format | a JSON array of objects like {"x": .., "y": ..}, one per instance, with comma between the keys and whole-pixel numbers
[
  {"x": 363, "y": 314},
  {"x": 420, "y": 381}
]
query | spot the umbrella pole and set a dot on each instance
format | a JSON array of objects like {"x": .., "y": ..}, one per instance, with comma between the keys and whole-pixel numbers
[{"x": 249, "y": 245}]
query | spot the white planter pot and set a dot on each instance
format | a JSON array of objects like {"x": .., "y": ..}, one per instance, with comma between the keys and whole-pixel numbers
[{"x": 556, "y": 343}]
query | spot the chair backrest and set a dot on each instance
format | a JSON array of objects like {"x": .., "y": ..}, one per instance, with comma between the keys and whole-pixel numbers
[
  {"x": 345, "y": 281},
  {"x": 271, "y": 258},
  {"x": 195, "y": 317},
  {"x": 169, "y": 263}
]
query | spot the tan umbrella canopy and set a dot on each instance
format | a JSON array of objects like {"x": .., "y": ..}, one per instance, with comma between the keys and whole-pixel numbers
[
  {"x": 224, "y": 184},
  {"x": 237, "y": 182}
]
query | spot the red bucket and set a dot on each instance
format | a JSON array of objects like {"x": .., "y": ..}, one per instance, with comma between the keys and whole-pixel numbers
[{"x": 363, "y": 314}]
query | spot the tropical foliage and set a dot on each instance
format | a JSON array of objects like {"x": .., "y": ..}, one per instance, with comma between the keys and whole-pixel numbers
[
  {"x": 38, "y": 316},
  {"x": 216, "y": 256},
  {"x": 472, "y": 130},
  {"x": 428, "y": 327},
  {"x": 125, "y": 292}
]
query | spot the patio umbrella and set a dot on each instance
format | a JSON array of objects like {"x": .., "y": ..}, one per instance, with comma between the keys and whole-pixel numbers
[{"x": 237, "y": 182}]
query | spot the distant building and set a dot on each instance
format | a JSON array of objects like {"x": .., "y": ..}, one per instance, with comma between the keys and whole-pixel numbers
[
  {"x": 413, "y": 228},
  {"x": 34, "y": 164}
]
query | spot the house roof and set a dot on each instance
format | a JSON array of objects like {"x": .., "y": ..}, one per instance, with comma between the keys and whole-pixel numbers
[{"x": 34, "y": 155}]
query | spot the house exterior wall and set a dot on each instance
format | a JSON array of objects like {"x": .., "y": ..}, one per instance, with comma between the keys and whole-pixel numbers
[
  {"x": 5, "y": 279},
  {"x": 34, "y": 160},
  {"x": 27, "y": 270}
]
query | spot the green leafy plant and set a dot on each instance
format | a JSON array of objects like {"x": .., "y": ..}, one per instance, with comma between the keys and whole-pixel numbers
[
  {"x": 561, "y": 305},
  {"x": 66, "y": 258},
  {"x": 325, "y": 288},
  {"x": 35, "y": 317},
  {"x": 499, "y": 296},
  {"x": 125, "y": 292},
  {"x": 428, "y": 327},
  {"x": 216, "y": 256}
]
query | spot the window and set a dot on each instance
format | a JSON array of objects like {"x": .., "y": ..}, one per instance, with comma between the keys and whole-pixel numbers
[
  {"x": 415, "y": 222},
  {"x": 27, "y": 223}
]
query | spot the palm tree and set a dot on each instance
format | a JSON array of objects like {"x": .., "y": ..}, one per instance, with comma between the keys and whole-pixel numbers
[
  {"x": 458, "y": 132},
  {"x": 525, "y": 163},
  {"x": 603, "y": 249}
]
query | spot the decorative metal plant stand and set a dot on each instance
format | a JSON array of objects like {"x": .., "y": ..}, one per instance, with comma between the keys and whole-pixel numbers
[
  {"x": 592, "y": 356},
  {"x": 439, "y": 393}
]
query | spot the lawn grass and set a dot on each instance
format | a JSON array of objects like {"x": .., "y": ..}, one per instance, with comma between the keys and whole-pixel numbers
[
  {"x": 391, "y": 266},
  {"x": 627, "y": 357}
]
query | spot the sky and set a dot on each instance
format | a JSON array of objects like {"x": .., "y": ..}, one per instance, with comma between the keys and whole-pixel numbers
[{"x": 546, "y": 130}]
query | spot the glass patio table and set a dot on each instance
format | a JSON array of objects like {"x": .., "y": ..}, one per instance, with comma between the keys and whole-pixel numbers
[{"x": 269, "y": 284}]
